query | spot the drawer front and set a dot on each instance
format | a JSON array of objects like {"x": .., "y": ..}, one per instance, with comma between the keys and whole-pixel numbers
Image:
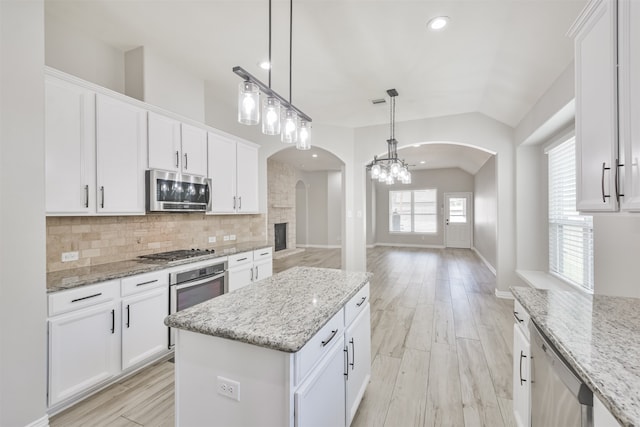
[
  {"x": 240, "y": 259},
  {"x": 521, "y": 317},
  {"x": 318, "y": 346},
  {"x": 262, "y": 254},
  {"x": 144, "y": 282},
  {"x": 84, "y": 296},
  {"x": 356, "y": 304}
]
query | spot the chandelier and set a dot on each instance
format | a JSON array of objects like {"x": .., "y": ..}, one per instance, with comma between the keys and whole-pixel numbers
[
  {"x": 279, "y": 116},
  {"x": 390, "y": 169}
]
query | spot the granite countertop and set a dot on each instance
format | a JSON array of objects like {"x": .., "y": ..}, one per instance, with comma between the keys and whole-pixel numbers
[
  {"x": 82, "y": 276},
  {"x": 281, "y": 312},
  {"x": 599, "y": 336}
]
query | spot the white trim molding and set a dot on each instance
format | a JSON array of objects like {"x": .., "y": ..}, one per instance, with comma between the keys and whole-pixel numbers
[
  {"x": 42, "y": 422},
  {"x": 504, "y": 294},
  {"x": 483, "y": 259},
  {"x": 406, "y": 245},
  {"x": 320, "y": 246}
]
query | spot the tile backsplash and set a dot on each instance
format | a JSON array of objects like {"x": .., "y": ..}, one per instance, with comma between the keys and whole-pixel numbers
[{"x": 100, "y": 240}]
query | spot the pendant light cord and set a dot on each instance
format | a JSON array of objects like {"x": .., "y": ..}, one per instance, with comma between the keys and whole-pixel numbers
[
  {"x": 270, "y": 66},
  {"x": 290, "y": 44}
]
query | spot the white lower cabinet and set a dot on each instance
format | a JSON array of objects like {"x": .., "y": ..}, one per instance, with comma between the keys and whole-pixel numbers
[
  {"x": 320, "y": 400},
  {"x": 248, "y": 267},
  {"x": 358, "y": 354},
  {"x": 99, "y": 332},
  {"x": 521, "y": 378},
  {"x": 143, "y": 331},
  {"x": 84, "y": 349}
]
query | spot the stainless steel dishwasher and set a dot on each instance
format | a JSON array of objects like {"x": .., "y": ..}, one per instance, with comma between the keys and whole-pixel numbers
[{"x": 558, "y": 397}]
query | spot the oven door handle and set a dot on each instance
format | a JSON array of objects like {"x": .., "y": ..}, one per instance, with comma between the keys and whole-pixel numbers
[{"x": 199, "y": 281}]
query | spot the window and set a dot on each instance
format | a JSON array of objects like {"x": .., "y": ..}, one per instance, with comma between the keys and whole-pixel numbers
[
  {"x": 413, "y": 211},
  {"x": 570, "y": 234}
]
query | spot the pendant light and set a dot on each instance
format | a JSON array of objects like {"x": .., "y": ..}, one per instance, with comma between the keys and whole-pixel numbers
[
  {"x": 279, "y": 116},
  {"x": 390, "y": 169}
]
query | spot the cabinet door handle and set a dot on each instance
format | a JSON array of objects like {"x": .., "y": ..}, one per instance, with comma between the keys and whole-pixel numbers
[
  {"x": 113, "y": 321},
  {"x": 361, "y": 301},
  {"x": 256, "y": 272},
  {"x": 604, "y": 196},
  {"x": 327, "y": 341},
  {"x": 234, "y": 203},
  {"x": 177, "y": 159},
  {"x": 147, "y": 283},
  {"x": 128, "y": 315},
  {"x": 618, "y": 195},
  {"x": 186, "y": 161},
  {"x": 522, "y": 356},
  {"x": 86, "y": 196},
  {"x": 252, "y": 274},
  {"x": 87, "y": 297},
  {"x": 240, "y": 203},
  {"x": 346, "y": 362},
  {"x": 515, "y": 314},
  {"x": 353, "y": 354},
  {"x": 102, "y": 197}
]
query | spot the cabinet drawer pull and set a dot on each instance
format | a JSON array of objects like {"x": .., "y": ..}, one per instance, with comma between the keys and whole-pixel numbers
[
  {"x": 86, "y": 196},
  {"x": 128, "y": 315},
  {"x": 522, "y": 356},
  {"x": 87, "y": 297},
  {"x": 604, "y": 196},
  {"x": 242, "y": 259},
  {"x": 113, "y": 321},
  {"x": 353, "y": 354},
  {"x": 346, "y": 363},
  {"x": 264, "y": 253},
  {"x": 146, "y": 283},
  {"x": 515, "y": 314},
  {"x": 361, "y": 301},
  {"x": 333, "y": 334}
]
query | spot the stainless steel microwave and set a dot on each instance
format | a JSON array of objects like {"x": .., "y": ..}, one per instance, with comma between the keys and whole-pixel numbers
[{"x": 175, "y": 192}]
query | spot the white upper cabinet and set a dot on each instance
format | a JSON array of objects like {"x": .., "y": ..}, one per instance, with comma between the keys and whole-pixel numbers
[
  {"x": 176, "y": 147},
  {"x": 629, "y": 101},
  {"x": 233, "y": 169},
  {"x": 121, "y": 141},
  {"x": 164, "y": 143},
  {"x": 70, "y": 148},
  {"x": 595, "y": 35}
]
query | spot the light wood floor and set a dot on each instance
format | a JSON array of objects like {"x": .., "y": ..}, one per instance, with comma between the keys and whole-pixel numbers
[{"x": 441, "y": 349}]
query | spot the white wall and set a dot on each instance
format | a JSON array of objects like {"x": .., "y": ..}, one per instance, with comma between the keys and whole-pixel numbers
[
  {"x": 472, "y": 129},
  {"x": 302, "y": 213},
  {"x": 324, "y": 203},
  {"x": 485, "y": 201},
  {"x": 70, "y": 50},
  {"x": 334, "y": 208},
  {"x": 22, "y": 220},
  {"x": 443, "y": 180},
  {"x": 616, "y": 239}
]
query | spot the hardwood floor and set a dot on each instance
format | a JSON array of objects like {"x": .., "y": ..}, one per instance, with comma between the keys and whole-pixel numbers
[{"x": 441, "y": 348}]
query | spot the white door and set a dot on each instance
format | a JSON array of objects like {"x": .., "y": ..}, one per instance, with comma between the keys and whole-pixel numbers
[
  {"x": 143, "y": 331},
  {"x": 84, "y": 350},
  {"x": 457, "y": 220},
  {"x": 358, "y": 343},
  {"x": 247, "y": 174},
  {"x": 194, "y": 150},
  {"x": 222, "y": 171}
]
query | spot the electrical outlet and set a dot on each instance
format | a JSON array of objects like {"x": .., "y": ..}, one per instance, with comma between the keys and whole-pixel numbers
[
  {"x": 229, "y": 388},
  {"x": 69, "y": 256},
  {"x": 232, "y": 237},
  {"x": 226, "y": 238},
  {"x": 212, "y": 239}
]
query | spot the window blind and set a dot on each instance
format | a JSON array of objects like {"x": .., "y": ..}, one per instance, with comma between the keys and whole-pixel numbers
[{"x": 570, "y": 234}]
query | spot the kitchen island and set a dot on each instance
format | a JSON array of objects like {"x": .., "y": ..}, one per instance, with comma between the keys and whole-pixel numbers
[
  {"x": 599, "y": 337},
  {"x": 292, "y": 349}
]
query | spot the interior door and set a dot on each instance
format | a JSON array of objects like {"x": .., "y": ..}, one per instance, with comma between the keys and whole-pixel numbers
[{"x": 458, "y": 218}]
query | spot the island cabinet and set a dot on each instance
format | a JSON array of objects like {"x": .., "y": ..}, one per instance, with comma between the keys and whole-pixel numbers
[
  {"x": 521, "y": 367},
  {"x": 237, "y": 380}
]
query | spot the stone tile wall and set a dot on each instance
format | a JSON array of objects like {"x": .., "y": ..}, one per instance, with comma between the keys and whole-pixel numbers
[
  {"x": 101, "y": 240},
  {"x": 281, "y": 201}
]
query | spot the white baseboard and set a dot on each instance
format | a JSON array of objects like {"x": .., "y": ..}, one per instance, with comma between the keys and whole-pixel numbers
[
  {"x": 483, "y": 259},
  {"x": 42, "y": 422},
  {"x": 404, "y": 245},
  {"x": 504, "y": 294},
  {"x": 320, "y": 246}
]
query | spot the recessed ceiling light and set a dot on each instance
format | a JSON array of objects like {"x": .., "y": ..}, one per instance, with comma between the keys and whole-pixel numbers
[
  {"x": 314, "y": 155},
  {"x": 438, "y": 23},
  {"x": 265, "y": 65},
  {"x": 422, "y": 162}
]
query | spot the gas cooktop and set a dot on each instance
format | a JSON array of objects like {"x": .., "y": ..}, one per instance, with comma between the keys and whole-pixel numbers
[{"x": 178, "y": 255}]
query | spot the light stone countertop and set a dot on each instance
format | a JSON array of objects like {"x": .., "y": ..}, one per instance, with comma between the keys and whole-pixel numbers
[
  {"x": 599, "y": 336},
  {"x": 82, "y": 276},
  {"x": 281, "y": 312}
]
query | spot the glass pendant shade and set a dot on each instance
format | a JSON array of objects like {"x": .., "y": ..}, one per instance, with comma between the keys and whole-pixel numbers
[
  {"x": 304, "y": 136},
  {"x": 383, "y": 175},
  {"x": 407, "y": 180},
  {"x": 390, "y": 180},
  {"x": 270, "y": 116},
  {"x": 395, "y": 169},
  {"x": 289, "y": 131},
  {"x": 375, "y": 171},
  {"x": 248, "y": 103}
]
